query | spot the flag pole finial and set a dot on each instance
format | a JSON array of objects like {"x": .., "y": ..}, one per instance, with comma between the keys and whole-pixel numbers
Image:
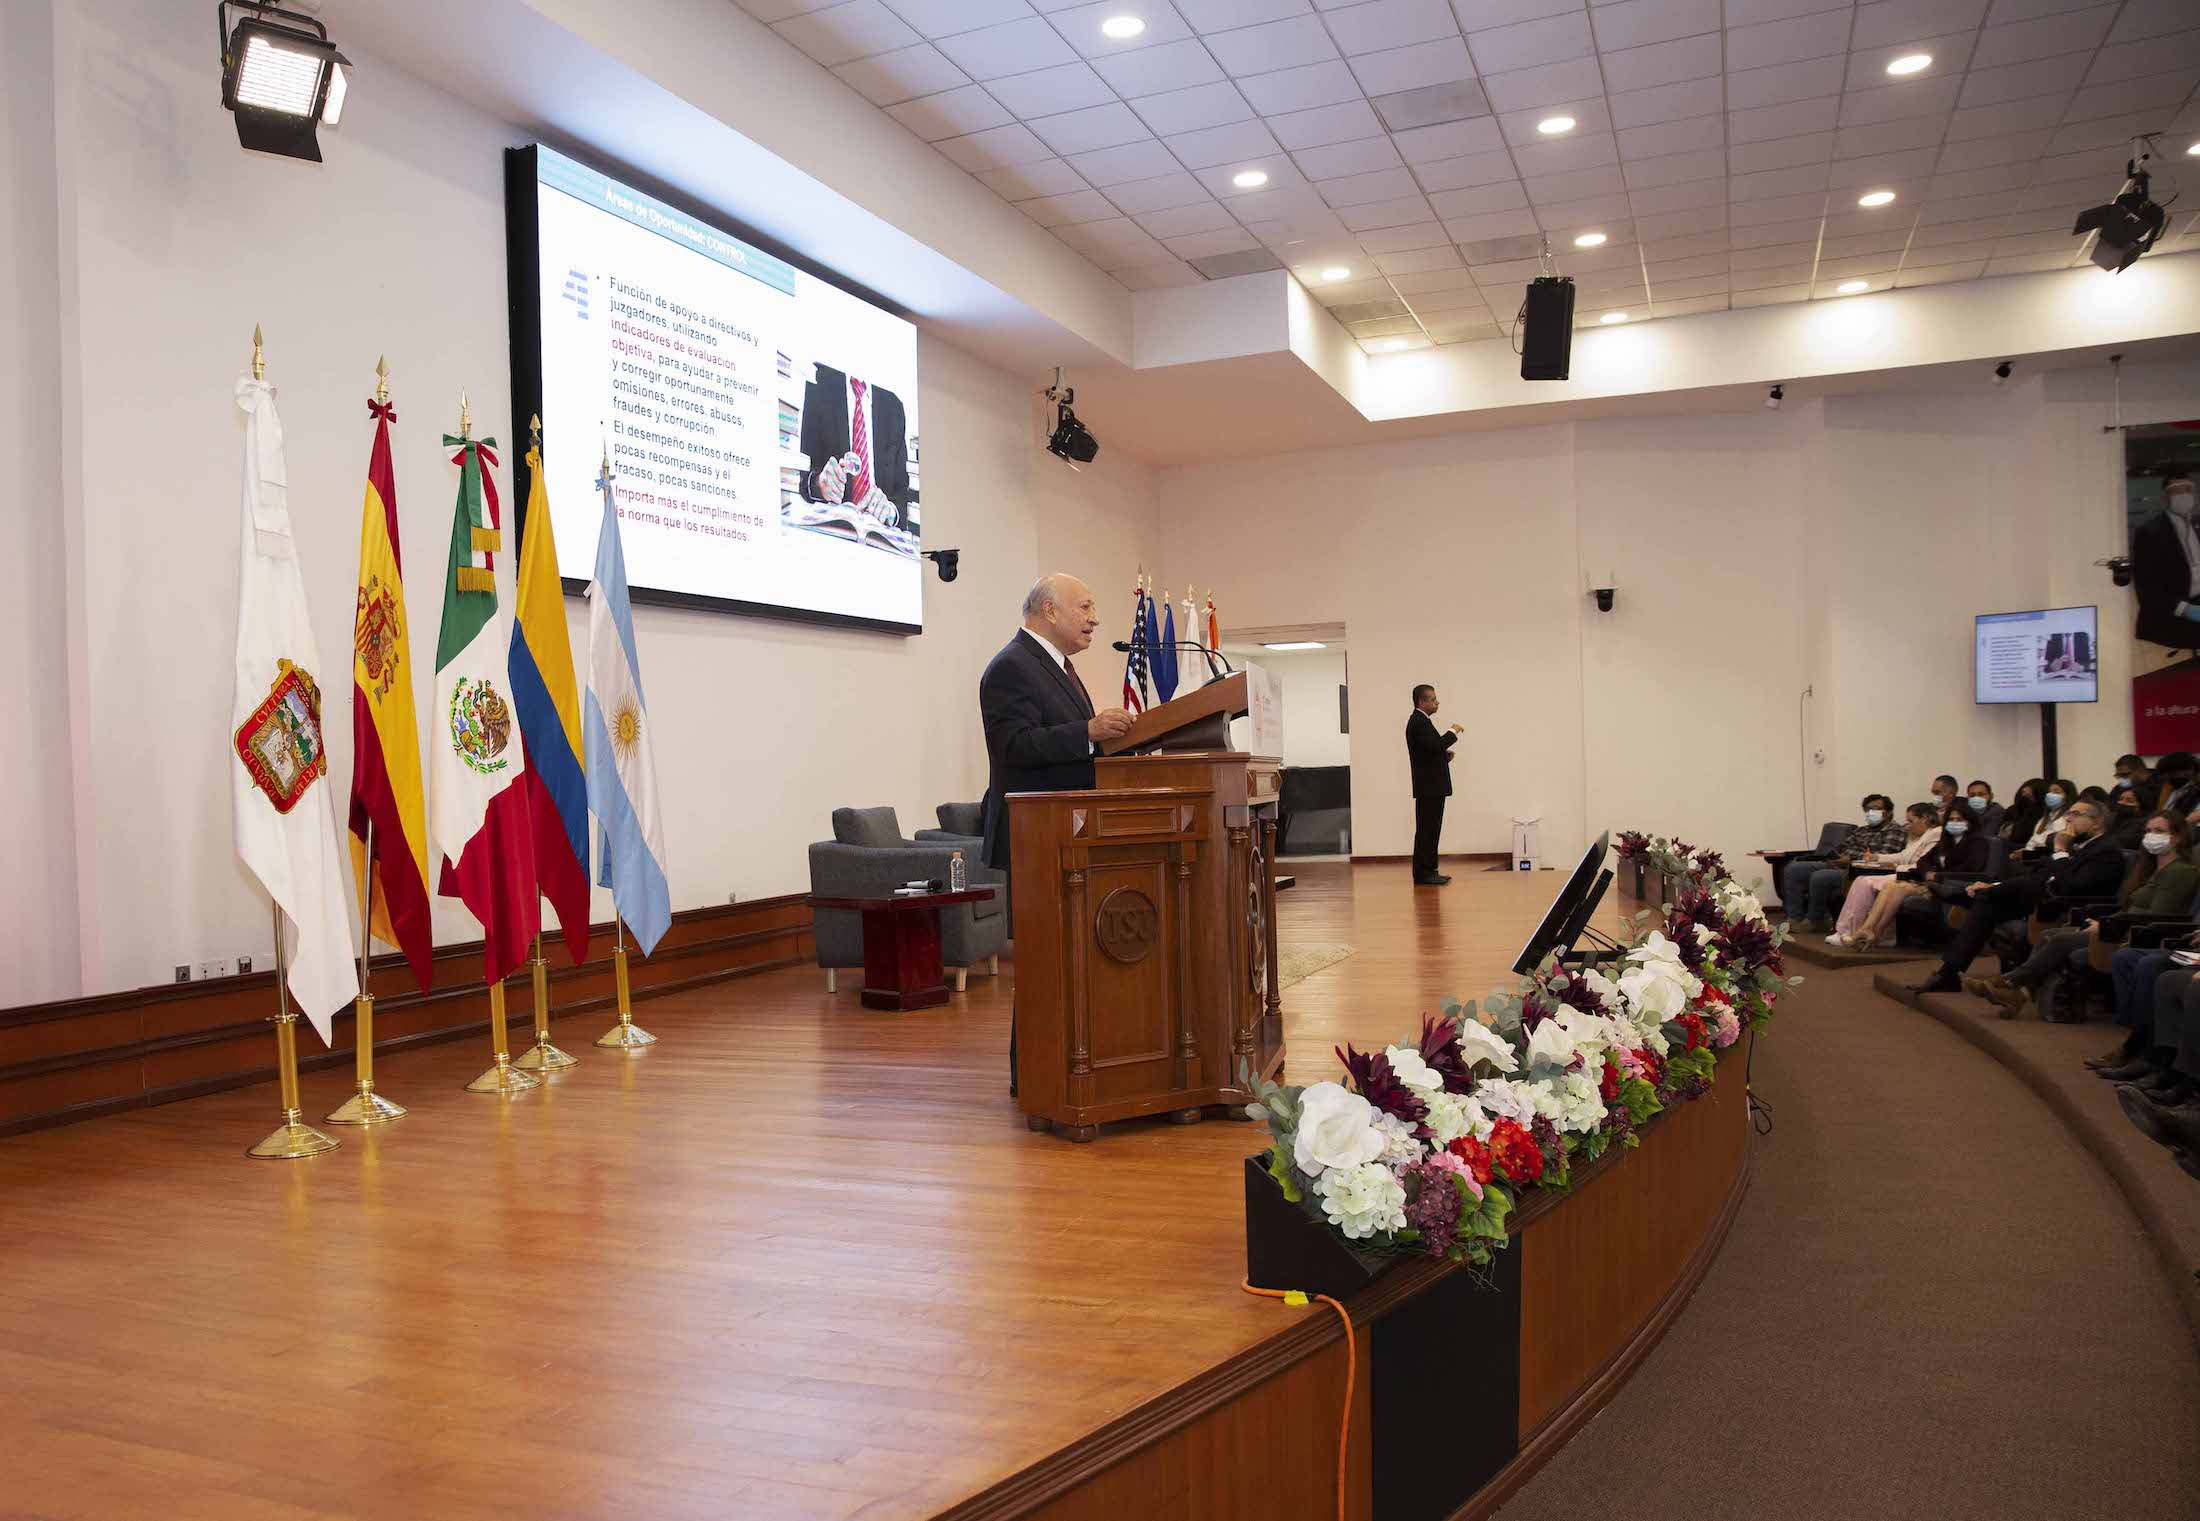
[
  {"x": 382, "y": 379},
  {"x": 534, "y": 426},
  {"x": 259, "y": 355},
  {"x": 465, "y": 418}
]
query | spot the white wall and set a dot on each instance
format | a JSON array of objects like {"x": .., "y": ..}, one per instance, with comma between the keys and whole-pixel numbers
[
  {"x": 1310, "y": 678},
  {"x": 175, "y": 243}
]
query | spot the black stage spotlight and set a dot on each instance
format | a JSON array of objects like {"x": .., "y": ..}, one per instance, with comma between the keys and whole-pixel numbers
[
  {"x": 1072, "y": 440},
  {"x": 1775, "y": 396},
  {"x": 281, "y": 77},
  {"x": 948, "y": 562},
  {"x": 2128, "y": 225}
]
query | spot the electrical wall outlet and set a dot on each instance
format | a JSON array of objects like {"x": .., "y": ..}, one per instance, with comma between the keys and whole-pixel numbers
[
  {"x": 733, "y": 897},
  {"x": 183, "y": 971},
  {"x": 244, "y": 965},
  {"x": 218, "y": 967}
]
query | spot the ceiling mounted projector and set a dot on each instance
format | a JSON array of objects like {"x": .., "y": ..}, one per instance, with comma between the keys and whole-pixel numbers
[{"x": 2127, "y": 226}]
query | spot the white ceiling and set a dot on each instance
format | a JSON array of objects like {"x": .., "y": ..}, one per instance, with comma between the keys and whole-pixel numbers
[{"x": 1720, "y": 145}]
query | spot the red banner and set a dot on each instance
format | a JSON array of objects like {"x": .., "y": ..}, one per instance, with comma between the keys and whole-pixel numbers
[{"x": 2165, "y": 709}]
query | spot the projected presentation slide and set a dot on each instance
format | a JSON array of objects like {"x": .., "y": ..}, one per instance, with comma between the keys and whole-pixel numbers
[
  {"x": 761, "y": 423},
  {"x": 2051, "y": 655}
]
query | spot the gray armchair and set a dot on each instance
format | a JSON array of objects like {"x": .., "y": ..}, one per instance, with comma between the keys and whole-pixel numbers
[{"x": 868, "y": 858}]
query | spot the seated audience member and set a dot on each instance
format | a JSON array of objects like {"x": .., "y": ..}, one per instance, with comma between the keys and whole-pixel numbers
[
  {"x": 1808, "y": 886},
  {"x": 2134, "y": 776},
  {"x": 2023, "y": 815},
  {"x": 2127, "y": 818},
  {"x": 2162, "y": 883},
  {"x": 2054, "y": 803},
  {"x": 1921, "y": 823},
  {"x": 2085, "y": 864},
  {"x": 1959, "y": 853},
  {"x": 2164, "y": 1101},
  {"x": 1986, "y": 814},
  {"x": 2180, "y": 792},
  {"x": 1946, "y": 789}
]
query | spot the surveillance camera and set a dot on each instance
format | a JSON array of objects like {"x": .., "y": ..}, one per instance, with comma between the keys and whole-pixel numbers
[
  {"x": 1774, "y": 397},
  {"x": 2001, "y": 372},
  {"x": 2119, "y": 569},
  {"x": 948, "y": 562},
  {"x": 1604, "y": 596}
]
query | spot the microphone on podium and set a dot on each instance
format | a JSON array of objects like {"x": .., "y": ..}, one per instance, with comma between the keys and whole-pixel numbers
[{"x": 1123, "y": 646}]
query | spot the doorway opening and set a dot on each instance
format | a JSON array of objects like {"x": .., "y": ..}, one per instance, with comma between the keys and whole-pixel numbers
[{"x": 1309, "y": 663}]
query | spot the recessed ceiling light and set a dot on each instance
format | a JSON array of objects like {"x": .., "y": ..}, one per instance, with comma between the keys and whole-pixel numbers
[
  {"x": 1122, "y": 28},
  {"x": 1851, "y": 287},
  {"x": 1611, "y": 317},
  {"x": 1391, "y": 344},
  {"x": 2194, "y": 150},
  {"x": 1552, "y": 126},
  {"x": 1590, "y": 240},
  {"x": 1336, "y": 272},
  {"x": 1875, "y": 198},
  {"x": 1296, "y": 644},
  {"x": 1910, "y": 63},
  {"x": 1249, "y": 179}
]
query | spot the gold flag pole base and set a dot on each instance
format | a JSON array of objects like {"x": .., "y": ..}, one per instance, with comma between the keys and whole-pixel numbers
[
  {"x": 542, "y": 1056},
  {"x": 625, "y": 1034},
  {"x": 293, "y": 1138},
  {"x": 503, "y": 1077},
  {"x": 366, "y": 1107}
]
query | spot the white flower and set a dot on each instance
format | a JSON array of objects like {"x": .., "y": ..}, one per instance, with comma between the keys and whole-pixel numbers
[
  {"x": 1336, "y": 1129},
  {"x": 1549, "y": 1043},
  {"x": 1408, "y": 1067},
  {"x": 1601, "y": 985},
  {"x": 1653, "y": 993},
  {"x": 1479, "y": 1043},
  {"x": 1704, "y": 935},
  {"x": 1362, "y": 1199},
  {"x": 1504, "y": 1098},
  {"x": 1592, "y": 1036},
  {"x": 1578, "y": 1102},
  {"x": 1452, "y": 1115},
  {"x": 1737, "y": 902},
  {"x": 1656, "y": 948},
  {"x": 1399, "y": 1145}
]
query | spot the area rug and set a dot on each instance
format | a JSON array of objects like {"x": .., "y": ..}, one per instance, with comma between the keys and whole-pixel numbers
[{"x": 1296, "y": 963}]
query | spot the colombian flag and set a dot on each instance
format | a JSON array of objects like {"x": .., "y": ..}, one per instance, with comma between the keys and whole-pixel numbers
[
  {"x": 548, "y": 700},
  {"x": 385, "y": 737}
]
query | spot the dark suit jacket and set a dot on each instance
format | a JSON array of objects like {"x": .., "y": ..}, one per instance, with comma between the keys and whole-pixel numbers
[
  {"x": 2094, "y": 870},
  {"x": 2162, "y": 579},
  {"x": 2078, "y": 646},
  {"x": 827, "y": 436},
  {"x": 1430, "y": 754},
  {"x": 1035, "y": 735}
]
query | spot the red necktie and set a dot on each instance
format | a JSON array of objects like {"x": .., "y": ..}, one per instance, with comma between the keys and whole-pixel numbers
[
  {"x": 860, "y": 486},
  {"x": 1082, "y": 691}
]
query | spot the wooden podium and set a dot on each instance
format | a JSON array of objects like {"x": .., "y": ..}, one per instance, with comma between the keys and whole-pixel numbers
[{"x": 1145, "y": 921}]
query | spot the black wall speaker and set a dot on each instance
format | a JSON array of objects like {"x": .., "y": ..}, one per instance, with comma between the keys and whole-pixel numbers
[{"x": 1547, "y": 328}]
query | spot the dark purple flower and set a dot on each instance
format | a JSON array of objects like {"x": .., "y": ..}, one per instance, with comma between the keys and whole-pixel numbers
[
  {"x": 1711, "y": 864},
  {"x": 1749, "y": 941},
  {"x": 1550, "y": 1143},
  {"x": 1698, "y": 904},
  {"x": 1432, "y": 1206},
  {"x": 1375, "y": 1082},
  {"x": 1681, "y": 930},
  {"x": 1440, "y": 1049},
  {"x": 1575, "y": 993},
  {"x": 1631, "y": 844}
]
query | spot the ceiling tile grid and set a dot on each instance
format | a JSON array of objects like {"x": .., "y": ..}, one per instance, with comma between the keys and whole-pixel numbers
[{"x": 1415, "y": 162}]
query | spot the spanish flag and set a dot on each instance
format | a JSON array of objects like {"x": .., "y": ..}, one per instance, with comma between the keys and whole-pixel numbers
[
  {"x": 385, "y": 736},
  {"x": 548, "y": 700}
]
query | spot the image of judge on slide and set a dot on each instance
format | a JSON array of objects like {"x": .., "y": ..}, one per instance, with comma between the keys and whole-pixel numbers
[
  {"x": 2165, "y": 571},
  {"x": 2068, "y": 654},
  {"x": 856, "y": 437}
]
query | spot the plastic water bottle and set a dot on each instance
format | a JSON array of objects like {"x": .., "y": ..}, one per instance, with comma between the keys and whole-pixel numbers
[{"x": 958, "y": 875}]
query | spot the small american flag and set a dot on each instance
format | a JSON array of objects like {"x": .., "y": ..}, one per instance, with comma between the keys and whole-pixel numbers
[{"x": 1134, "y": 665}]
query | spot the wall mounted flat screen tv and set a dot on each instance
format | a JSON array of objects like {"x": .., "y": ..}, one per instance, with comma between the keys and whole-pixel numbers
[
  {"x": 761, "y": 421},
  {"x": 2051, "y": 654}
]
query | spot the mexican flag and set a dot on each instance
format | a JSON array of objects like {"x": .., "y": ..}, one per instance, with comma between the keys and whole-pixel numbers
[{"x": 477, "y": 765}]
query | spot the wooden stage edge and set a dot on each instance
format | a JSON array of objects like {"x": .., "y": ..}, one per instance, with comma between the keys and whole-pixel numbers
[
  {"x": 1130, "y": 1455},
  {"x": 84, "y": 1058}
]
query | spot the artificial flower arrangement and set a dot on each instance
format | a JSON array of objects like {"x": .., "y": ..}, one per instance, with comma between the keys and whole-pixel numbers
[{"x": 1424, "y": 1146}]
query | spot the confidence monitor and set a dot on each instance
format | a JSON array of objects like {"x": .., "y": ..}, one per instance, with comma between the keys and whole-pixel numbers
[
  {"x": 1570, "y": 910},
  {"x": 760, "y": 419},
  {"x": 2046, "y": 655}
]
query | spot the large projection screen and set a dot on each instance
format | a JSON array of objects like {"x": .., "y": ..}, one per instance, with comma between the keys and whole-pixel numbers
[{"x": 761, "y": 422}]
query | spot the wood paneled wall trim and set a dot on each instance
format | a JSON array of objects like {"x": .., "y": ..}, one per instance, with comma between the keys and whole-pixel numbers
[{"x": 80, "y": 1058}]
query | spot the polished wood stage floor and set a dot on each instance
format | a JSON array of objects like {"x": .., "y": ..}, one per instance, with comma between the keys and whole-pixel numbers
[{"x": 799, "y": 1260}]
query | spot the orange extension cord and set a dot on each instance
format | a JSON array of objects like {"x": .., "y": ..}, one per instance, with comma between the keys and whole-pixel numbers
[{"x": 1351, "y": 1367}]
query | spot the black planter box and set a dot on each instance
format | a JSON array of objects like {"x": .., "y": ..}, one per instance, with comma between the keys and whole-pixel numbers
[{"x": 1444, "y": 1379}]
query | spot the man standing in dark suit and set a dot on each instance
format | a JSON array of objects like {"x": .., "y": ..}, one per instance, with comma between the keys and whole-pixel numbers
[
  {"x": 856, "y": 436},
  {"x": 1041, "y": 728},
  {"x": 1429, "y": 753}
]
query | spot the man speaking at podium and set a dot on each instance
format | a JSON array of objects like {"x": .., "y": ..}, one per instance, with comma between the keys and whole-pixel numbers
[
  {"x": 1429, "y": 753},
  {"x": 1041, "y": 730}
]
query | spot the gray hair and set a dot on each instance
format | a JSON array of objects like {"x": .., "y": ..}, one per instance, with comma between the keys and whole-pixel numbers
[{"x": 1048, "y": 588}]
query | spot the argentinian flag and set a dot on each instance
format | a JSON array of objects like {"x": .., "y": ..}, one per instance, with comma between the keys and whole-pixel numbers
[{"x": 622, "y": 769}]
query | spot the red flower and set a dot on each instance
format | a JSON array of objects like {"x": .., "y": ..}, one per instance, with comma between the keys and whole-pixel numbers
[
  {"x": 1693, "y": 1026},
  {"x": 1476, "y": 1155},
  {"x": 1608, "y": 1084},
  {"x": 1515, "y": 1152},
  {"x": 1653, "y": 1066},
  {"x": 1713, "y": 998}
]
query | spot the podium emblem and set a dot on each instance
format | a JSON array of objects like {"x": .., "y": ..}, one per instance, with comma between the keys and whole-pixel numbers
[{"x": 1127, "y": 925}]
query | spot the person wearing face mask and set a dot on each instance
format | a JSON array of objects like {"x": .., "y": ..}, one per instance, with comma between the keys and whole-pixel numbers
[
  {"x": 2055, "y": 801},
  {"x": 2135, "y": 777},
  {"x": 2086, "y": 865},
  {"x": 1957, "y": 858},
  {"x": 2024, "y": 814},
  {"x": 2160, "y": 885},
  {"x": 2165, "y": 571},
  {"x": 1921, "y": 825},
  {"x": 1810, "y": 885},
  {"x": 1946, "y": 789},
  {"x": 2176, "y": 772},
  {"x": 1980, "y": 808}
]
